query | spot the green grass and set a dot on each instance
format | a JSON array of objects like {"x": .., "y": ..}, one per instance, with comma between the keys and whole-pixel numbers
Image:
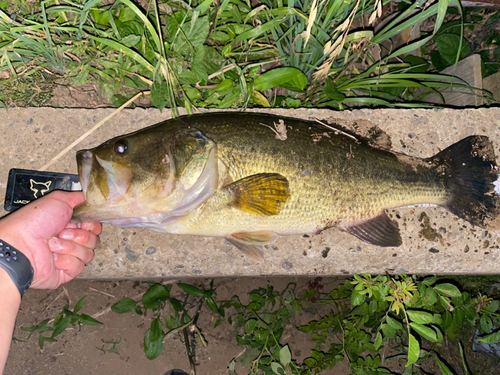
[{"x": 295, "y": 53}]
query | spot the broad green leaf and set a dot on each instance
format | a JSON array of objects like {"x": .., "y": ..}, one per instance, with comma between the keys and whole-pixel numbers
[
  {"x": 448, "y": 290},
  {"x": 393, "y": 323},
  {"x": 285, "y": 355},
  {"x": 80, "y": 304},
  {"x": 429, "y": 280},
  {"x": 176, "y": 304},
  {"x": 250, "y": 325},
  {"x": 493, "y": 306},
  {"x": 447, "y": 320},
  {"x": 161, "y": 94},
  {"x": 156, "y": 331},
  {"x": 388, "y": 331},
  {"x": 190, "y": 289},
  {"x": 124, "y": 305},
  {"x": 89, "y": 321},
  {"x": 413, "y": 350},
  {"x": 275, "y": 366},
  {"x": 211, "y": 304},
  {"x": 152, "y": 348},
  {"x": 278, "y": 76},
  {"x": 357, "y": 298},
  {"x": 224, "y": 85},
  {"x": 420, "y": 317},
  {"x": 424, "y": 331},
  {"x": 490, "y": 339},
  {"x": 448, "y": 44},
  {"x": 154, "y": 296},
  {"x": 260, "y": 99},
  {"x": 485, "y": 324}
]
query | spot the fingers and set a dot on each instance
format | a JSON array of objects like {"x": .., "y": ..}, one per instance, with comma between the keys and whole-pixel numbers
[
  {"x": 70, "y": 265},
  {"x": 81, "y": 236},
  {"x": 95, "y": 228},
  {"x": 71, "y": 248}
]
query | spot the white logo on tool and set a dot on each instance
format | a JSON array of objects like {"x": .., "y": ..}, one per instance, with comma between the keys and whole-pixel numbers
[{"x": 34, "y": 184}]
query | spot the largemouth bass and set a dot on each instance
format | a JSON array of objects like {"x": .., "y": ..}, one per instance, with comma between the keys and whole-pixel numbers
[{"x": 253, "y": 177}]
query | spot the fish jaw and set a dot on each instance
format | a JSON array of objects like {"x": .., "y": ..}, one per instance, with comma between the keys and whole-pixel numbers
[{"x": 84, "y": 160}]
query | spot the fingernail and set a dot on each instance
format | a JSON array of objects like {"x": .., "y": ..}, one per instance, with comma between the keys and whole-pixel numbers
[
  {"x": 66, "y": 235},
  {"x": 55, "y": 244}
]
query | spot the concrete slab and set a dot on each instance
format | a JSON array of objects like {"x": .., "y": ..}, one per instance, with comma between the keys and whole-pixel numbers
[{"x": 434, "y": 240}]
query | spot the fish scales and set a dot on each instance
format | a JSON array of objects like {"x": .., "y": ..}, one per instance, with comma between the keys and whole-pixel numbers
[{"x": 333, "y": 181}]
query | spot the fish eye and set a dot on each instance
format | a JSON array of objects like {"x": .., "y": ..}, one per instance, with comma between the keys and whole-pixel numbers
[{"x": 121, "y": 147}]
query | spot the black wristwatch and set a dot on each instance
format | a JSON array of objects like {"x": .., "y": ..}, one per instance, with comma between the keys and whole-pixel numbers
[{"x": 17, "y": 266}]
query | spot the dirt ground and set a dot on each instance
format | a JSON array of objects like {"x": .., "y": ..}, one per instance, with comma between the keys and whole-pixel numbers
[{"x": 77, "y": 350}]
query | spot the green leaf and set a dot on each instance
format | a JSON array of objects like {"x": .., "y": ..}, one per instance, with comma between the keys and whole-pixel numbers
[
  {"x": 80, "y": 304},
  {"x": 357, "y": 298},
  {"x": 448, "y": 44},
  {"x": 61, "y": 327},
  {"x": 493, "y": 306},
  {"x": 420, "y": 317},
  {"x": 425, "y": 332},
  {"x": 212, "y": 305},
  {"x": 275, "y": 366},
  {"x": 448, "y": 290},
  {"x": 413, "y": 350},
  {"x": 393, "y": 323},
  {"x": 156, "y": 294},
  {"x": 176, "y": 304},
  {"x": 190, "y": 289},
  {"x": 388, "y": 331},
  {"x": 285, "y": 355},
  {"x": 89, "y": 321},
  {"x": 333, "y": 93},
  {"x": 152, "y": 348},
  {"x": 485, "y": 324},
  {"x": 429, "y": 281},
  {"x": 279, "y": 76},
  {"x": 124, "y": 305},
  {"x": 250, "y": 325},
  {"x": 161, "y": 94},
  {"x": 444, "y": 369},
  {"x": 378, "y": 341},
  {"x": 490, "y": 339},
  {"x": 156, "y": 331}
]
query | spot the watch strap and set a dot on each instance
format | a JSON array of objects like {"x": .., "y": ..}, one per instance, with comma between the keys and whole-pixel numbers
[{"x": 17, "y": 266}]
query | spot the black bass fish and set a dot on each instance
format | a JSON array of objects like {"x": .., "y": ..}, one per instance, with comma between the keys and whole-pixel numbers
[{"x": 253, "y": 177}]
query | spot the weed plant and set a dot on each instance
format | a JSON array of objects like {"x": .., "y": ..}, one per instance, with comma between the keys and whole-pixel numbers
[{"x": 230, "y": 53}]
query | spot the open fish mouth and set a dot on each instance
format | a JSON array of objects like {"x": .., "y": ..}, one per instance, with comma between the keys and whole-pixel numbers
[{"x": 84, "y": 160}]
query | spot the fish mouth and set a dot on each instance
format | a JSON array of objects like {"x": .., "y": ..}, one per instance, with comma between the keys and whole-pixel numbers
[{"x": 84, "y": 159}]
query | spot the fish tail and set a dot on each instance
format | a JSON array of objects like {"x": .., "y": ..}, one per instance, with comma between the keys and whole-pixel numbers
[{"x": 471, "y": 167}]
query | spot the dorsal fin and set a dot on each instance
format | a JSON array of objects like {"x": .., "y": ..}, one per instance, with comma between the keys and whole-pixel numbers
[{"x": 262, "y": 194}]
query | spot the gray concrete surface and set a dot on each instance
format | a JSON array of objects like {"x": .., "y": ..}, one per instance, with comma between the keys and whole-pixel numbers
[{"x": 434, "y": 240}]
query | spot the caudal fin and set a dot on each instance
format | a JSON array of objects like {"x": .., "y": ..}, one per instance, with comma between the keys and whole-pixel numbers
[{"x": 472, "y": 168}]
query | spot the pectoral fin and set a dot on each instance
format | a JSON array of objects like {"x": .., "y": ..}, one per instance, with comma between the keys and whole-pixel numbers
[
  {"x": 262, "y": 194},
  {"x": 251, "y": 242},
  {"x": 380, "y": 231}
]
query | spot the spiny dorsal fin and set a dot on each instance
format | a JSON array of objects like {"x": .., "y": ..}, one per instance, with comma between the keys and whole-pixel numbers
[
  {"x": 380, "y": 231},
  {"x": 251, "y": 242},
  {"x": 263, "y": 193}
]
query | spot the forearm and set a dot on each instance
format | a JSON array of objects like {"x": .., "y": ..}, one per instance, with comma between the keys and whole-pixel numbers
[{"x": 10, "y": 299}]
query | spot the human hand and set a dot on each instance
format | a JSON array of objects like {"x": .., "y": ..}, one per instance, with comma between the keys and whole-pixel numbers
[{"x": 57, "y": 249}]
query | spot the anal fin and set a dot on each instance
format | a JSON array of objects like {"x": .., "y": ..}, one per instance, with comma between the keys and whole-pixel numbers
[
  {"x": 262, "y": 194},
  {"x": 380, "y": 231},
  {"x": 251, "y": 242}
]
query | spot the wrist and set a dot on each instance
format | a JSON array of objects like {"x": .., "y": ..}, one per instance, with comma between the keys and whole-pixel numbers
[
  {"x": 15, "y": 265},
  {"x": 9, "y": 294}
]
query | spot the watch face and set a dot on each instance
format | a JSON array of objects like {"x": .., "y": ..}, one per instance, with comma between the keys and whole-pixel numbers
[{"x": 24, "y": 186}]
